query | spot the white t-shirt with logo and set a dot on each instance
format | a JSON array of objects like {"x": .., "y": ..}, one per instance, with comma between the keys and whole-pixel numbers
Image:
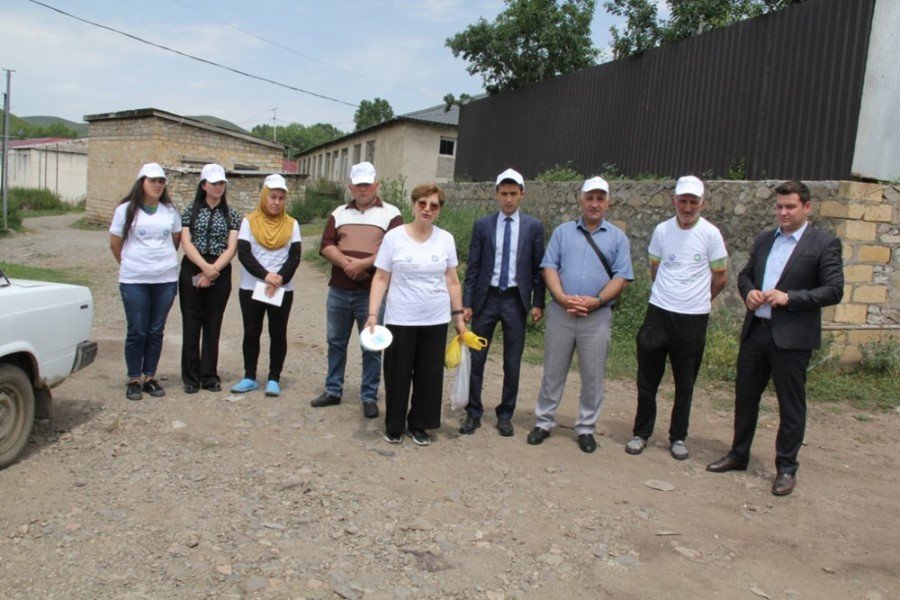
[
  {"x": 148, "y": 255},
  {"x": 417, "y": 294},
  {"x": 685, "y": 257},
  {"x": 271, "y": 260}
]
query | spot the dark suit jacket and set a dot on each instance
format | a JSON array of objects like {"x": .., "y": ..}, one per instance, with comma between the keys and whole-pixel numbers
[
  {"x": 813, "y": 277},
  {"x": 529, "y": 253}
]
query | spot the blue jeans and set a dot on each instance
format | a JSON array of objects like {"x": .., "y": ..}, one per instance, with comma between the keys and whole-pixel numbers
[
  {"x": 146, "y": 308},
  {"x": 343, "y": 308}
]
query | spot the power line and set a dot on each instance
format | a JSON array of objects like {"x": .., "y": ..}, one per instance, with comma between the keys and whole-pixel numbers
[
  {"x": 192, "y": 57},
  {"x": 291, "y": 50}
]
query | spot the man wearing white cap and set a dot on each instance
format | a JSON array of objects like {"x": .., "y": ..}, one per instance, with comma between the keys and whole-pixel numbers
[
  {"x": 350, "y": 242},
  {"x": 503, "y": 283},
  {"x": 688, "y": 267},
  {"x": 586, "y": 267}
]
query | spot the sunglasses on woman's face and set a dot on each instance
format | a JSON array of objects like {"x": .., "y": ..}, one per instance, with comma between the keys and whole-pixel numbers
[{"x": 429, "y": 205}]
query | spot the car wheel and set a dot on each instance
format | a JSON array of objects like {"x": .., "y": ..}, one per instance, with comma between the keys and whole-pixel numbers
[{"x": 16, "y": 412}]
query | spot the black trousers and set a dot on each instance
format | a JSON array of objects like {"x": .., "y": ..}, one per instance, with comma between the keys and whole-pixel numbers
[
  {"x": 202, "y": 310},
  {"x": 507, "y": 309},
  {"x": 415, "y": 358},
  {"x": 253, "y": 312},
  {"x": 682, "y": 338},
  {"x": 758, "y": 360}
]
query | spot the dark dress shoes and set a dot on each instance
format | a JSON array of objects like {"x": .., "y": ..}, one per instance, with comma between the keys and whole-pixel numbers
[
  {"x": 537, "y": 436},
  {"x": 325, "y": 400},
  {"x": 726, "y": 463},
  {"x": 191, "y": 388},
  {"x": 587, "y": 443},
  {"x": 784, "y": 484},
  {"x": 469, "y": 425},
  {"x": 370, "y": 410},
  {"x": 505, "y": 427},
  {"x": 212, "y": 386}
]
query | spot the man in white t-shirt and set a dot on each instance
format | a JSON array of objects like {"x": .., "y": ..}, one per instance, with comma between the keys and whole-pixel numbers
[{"x": 688, "y": 266}]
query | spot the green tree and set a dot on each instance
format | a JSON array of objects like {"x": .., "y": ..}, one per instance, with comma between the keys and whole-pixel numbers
[
  {"x": 298, "y": 137},
  {"x": 372, "y": 112},
  {"x": 531, "y": 40},
  {"x": 644, "y": 29}
]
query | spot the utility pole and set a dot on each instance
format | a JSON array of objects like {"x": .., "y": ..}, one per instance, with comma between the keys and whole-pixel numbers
[
  {"x": 5, "y": 155},
  {"x": 274, "y": 126}
]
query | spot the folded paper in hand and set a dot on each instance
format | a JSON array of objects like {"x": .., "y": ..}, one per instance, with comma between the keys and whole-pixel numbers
[{"x": 259, "y": 293}]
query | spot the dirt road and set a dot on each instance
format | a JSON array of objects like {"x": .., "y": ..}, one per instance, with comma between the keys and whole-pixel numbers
[{"x": 215, "y": 495}]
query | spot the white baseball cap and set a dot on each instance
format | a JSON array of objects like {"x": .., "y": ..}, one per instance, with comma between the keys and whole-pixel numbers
[
  {"x": 152, "y": 171},
  {"x": 212, "y": 173},
  {"x": 595, "y": 183},
  {"x": 510, "y": 174},
  {"x": 689, "y": 185},
  {"x": 275, "y": 182},
  {"x": 363, "y": 172}
]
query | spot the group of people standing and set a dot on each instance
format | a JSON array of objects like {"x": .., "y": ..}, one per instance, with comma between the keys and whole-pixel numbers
[
  {"x": 404, "y": 275},
  {"x": 145, "y": 235}
]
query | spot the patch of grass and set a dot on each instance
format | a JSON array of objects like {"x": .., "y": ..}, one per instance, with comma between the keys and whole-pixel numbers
[
  {"x": 14, "y": 271},
  {"x": 558, "y": 172},
  {"x": 86, "y": 225},
  {"x": 859, "y": 388},
  {"x": 313, "y": 229},
  {"x": 320, "y": 199},
  {"x": 315, "y": 259}
]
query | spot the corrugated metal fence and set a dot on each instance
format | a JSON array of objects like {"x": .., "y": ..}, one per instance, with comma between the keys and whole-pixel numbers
[{"x": 779, "y": 94}]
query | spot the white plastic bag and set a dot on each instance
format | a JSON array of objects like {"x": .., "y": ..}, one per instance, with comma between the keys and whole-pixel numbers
[{"x": 459, "y": 397}]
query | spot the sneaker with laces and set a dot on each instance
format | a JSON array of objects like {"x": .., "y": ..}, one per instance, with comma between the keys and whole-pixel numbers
[
  {"x": 419, "y": 437},
  {"x": 133, "y": 391},
  {"x": 678, "y": 450},
  {"x": 635, "y": 445},
  {"x": 393, "y": 438},
  {"x": 244, "y": 385}
]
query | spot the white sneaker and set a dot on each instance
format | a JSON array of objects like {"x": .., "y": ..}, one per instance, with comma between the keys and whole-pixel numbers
[
  {"x": 635, "y": 445},
  {"x": 678, "y": 450}
]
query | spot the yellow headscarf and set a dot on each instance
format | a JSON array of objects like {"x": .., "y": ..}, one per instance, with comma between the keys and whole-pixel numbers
[{"x": 270, "y": 232}]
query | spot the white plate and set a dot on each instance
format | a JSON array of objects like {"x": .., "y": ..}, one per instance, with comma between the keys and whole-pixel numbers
[{"x": 378, "y": 341}]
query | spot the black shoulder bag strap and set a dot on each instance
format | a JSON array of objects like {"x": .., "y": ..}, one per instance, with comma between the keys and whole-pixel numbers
[{"x": 590, "y": 240}]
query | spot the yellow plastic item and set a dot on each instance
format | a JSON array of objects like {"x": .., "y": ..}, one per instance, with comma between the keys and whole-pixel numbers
[
  {"x": 453, "y": 353},
  {"x": 473, "y": 341}
]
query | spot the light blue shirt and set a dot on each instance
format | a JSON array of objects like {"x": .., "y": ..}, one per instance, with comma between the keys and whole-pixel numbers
[
  {"x": 779, "y": 255},
  {"x": 513, "y": 248},
  {"x": 580, "y": 271}
]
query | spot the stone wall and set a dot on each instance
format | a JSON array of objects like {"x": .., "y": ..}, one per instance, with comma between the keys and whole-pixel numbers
[
  {"x": 864, "y": 216},
  {"x": 242, "y": 189},
  {"x": 119, "y": 146}
]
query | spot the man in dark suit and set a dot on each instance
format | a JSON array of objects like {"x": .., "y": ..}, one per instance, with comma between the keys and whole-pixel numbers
[
  {"x": 503, "y": 283},
  {"x": 793, "y": 271}
]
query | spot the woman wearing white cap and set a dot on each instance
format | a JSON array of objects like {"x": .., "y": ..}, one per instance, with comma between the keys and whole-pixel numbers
[
  {"x": 209, "y": 240},
  {"x": 269, "y": 251},
  {"x": 144, "y": 237}
]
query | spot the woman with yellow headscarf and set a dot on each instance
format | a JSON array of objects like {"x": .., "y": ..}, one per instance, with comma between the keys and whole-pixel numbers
[{"x": 269, "y": 251}]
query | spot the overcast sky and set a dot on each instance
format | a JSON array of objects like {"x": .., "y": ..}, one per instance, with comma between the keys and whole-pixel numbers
[{"x": 348, "y": 50}]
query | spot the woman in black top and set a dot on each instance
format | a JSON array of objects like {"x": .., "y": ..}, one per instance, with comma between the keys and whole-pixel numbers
[{"x": 209, "y": 238}]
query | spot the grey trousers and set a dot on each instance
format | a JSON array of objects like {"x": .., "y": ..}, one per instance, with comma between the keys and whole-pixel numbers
[{"x": 564, "y": 335}]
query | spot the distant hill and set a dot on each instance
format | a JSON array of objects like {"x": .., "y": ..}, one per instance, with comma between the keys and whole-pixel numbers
[
  {"x": 18, "y": 127},
  {"x": 42, "y": 121},
  {"x": 210, "y": 120}
]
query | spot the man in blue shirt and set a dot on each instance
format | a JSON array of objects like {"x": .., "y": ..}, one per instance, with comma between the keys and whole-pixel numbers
[{"x": 586, "y": 267}]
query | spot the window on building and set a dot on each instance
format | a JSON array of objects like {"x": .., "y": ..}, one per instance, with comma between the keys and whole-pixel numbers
[
  {"x": 448, "y": 147},
  {"x": 345, "y": 168},
  {"x": 357, "y": 153},
  {"x": 370, "y": 151}
]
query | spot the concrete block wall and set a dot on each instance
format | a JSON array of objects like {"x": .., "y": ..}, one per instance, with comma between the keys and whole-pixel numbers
[
  {"x": 242, "y": 189},
  {"x": 864, "y": 216},
  {"x": 119, "y": 147}
]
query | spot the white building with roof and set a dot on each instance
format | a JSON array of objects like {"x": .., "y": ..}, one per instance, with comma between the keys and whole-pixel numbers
[
  {"x": 417, "y": 147},
  {"x": 55, "y": 164}
]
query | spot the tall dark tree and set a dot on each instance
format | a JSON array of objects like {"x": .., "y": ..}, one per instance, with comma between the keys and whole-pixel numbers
[
  {"x": 644, "y": 29},
  {"x": 528, "y": 42},
  {"x": 372, "y": 112}
]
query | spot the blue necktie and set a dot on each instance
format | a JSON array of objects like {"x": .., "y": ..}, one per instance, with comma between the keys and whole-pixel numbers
[{"x": 504, "y": 259}]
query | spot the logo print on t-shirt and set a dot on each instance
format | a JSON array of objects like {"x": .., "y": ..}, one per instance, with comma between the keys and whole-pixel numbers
[
  {"x": 165, "y": 233},
  {"x": 671, "y": 258},
  {"x": 435, "y": 258},
  {"x": 142, "y": 232},
  {"x": 697, "y": 258},
  {"x": 408, "y": 259}
]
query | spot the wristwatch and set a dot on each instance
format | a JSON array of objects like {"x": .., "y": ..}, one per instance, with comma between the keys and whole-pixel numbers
[{"x": 600, "y": 298}]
